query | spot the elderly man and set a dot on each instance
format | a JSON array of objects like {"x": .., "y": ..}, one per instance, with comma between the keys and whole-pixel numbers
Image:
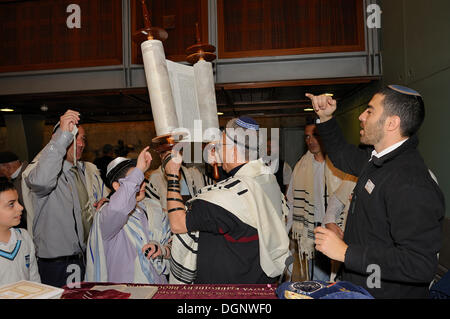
[
  {"x": 12, "y": 168},
  {"x": 239, "y": 222},
  {"x": 62, "y": 191},
  {"x": 393, "y": 230}
]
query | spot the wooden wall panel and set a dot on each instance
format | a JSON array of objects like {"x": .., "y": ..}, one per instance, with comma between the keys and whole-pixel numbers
[
  {"x": 178, "y": 18},
  {"x": 35, "y": 36},
  {"x": 281, "y": 27}
]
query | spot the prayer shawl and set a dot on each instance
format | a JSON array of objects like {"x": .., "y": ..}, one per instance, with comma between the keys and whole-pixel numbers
[
  {"x": 26, "y": 194},
  {"x": 95, "y": 187},
  {"x": 253, "y": 196},
  {"x": 303, "y": 193},
  {"x": 157, "y": 185},
  {"x": 145, "y": 271},
  {"x": 180, "y": 271}
]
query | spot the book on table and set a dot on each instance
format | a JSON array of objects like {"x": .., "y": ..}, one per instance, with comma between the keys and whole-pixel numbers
[{"x": 25, "y": 289}]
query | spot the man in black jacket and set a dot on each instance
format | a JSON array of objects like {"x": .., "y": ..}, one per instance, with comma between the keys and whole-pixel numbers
[{"x": 393, "y": 230}]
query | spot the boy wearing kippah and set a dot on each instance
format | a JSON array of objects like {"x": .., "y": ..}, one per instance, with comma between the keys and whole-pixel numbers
[
  {"x": 130, "y": 231},
  {"x": 17, "y": 255}
]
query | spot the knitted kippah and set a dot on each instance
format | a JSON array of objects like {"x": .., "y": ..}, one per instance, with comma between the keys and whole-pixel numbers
[
  {"x": 404, "y": 90},
  {"x": 247, "y": 122}
]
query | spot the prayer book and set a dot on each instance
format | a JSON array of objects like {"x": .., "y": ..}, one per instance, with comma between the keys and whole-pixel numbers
[
  {"x": 25, "y": 289},
  {"x": 136, "y": 292}
]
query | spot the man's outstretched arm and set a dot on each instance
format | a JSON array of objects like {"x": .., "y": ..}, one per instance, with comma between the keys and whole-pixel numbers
[{"x": 345, "y": 156}]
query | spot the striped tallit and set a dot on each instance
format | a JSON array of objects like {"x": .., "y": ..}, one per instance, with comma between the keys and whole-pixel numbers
[
  {"x": 145, "y": 271},
  {"x": 253, "y": 196},
  {"x": 183, "y": 262},
  {"x": 303, "y": 193}
]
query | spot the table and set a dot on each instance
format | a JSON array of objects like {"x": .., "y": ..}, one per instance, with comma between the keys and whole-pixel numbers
[{"x": 224, "y": 291}]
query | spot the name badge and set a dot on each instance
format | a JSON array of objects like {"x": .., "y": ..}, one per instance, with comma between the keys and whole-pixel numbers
[{"x": 369, "y": 186}]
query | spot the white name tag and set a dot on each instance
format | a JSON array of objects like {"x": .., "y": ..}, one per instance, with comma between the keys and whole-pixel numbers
[{"x": 369, "y": 186}]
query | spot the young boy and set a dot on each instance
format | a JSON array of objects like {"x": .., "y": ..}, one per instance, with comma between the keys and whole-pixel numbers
[
  {"x": 130, "y": 231},
  {"x": 17, "y": 256}
]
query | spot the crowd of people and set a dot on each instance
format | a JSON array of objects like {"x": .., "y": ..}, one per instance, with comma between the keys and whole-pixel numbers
[{"x": 338, "y": 212}]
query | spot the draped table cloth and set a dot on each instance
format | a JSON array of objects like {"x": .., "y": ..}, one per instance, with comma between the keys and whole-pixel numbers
[{"x": 225, "y": 291}]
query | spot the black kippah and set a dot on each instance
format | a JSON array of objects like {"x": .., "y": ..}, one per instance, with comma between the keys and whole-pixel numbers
[{"x": 7, "y": 157}]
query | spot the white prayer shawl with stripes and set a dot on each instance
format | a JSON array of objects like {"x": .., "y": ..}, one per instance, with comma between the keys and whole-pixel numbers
[
  {"x": 303, "y": 193},
  {"x": 253, "y": 196},
  {"x": 145, "y": 271},
  {"x": 157, "y": 185},
  {"x": 182, "y": 264}
]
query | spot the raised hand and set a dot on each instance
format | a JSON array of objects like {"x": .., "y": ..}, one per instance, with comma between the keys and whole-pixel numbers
[
  {"x": 323, "y": 105},
  {"x": 172, "y": 160},
  {"x": 212, "y": 157},
  {"x": 68, "y": 120},
  {"x": 144, "y": 160}
]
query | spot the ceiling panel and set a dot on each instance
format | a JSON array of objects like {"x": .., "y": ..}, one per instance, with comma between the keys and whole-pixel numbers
[{"x": 277, "y": 99}]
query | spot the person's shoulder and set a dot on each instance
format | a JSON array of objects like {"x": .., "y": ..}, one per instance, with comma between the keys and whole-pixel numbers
[
  {"x": 156, "y": 175},
  {"x": 23, "y": 233},
  {"x": 409, "y": 163},
  {"x": 200, "y": 205},
  {"x": 227, "y": 193},
  {"x": 24, "y": 167},
  {"x": 287, "y": 165},
  {"x": 302, "y": 161},
  {"x": 90, "y": 167},
  {"x": 410, "y": 170},
  {"x": 192, "y": 170}
]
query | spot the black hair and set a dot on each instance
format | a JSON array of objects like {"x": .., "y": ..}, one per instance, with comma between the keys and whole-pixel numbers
[
  {"x": 409, "y": 108},
  {"x": 310, "y": 120},
  {"x": 6, "y": 185}
]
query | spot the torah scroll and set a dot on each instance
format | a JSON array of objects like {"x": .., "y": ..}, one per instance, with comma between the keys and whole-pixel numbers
[{"x": 163, "y": 106}]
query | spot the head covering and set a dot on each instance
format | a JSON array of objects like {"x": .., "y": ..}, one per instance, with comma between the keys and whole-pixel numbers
[
  {"x": 404, "y": 90},
  {"x": 8, "y": 157},
  {"x": 116, "y": 166},
  {"x": 247, "y": 123},
  {"x": 249, "y": 126}
]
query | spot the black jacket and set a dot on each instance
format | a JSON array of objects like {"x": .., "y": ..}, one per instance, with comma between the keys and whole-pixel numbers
[{"x": 395, "y": 219}]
